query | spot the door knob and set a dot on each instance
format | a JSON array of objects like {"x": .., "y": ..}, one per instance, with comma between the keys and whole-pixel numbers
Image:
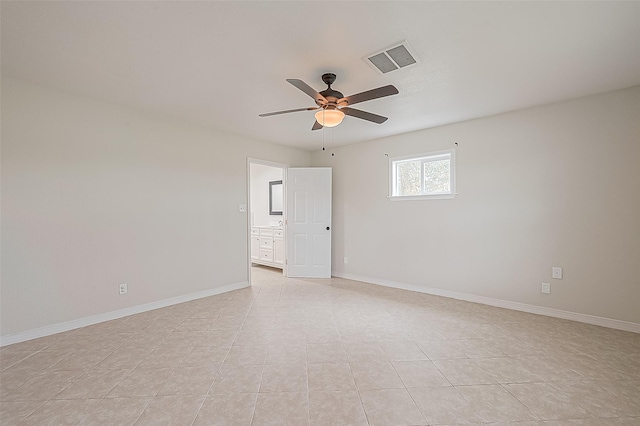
[{"x": 328, "y": 228}]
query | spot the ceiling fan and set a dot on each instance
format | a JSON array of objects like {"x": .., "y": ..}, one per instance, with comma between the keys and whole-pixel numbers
[{"x": 332, "y": 105}]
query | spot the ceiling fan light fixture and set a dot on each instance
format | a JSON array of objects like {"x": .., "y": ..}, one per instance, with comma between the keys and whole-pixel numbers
[{"x": 329, "y": 117}]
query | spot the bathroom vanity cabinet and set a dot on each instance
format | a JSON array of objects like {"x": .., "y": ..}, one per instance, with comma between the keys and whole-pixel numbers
[{"x": 267, "y": 246}]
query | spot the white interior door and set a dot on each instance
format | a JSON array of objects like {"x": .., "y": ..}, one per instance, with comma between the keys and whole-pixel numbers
[{"x": 309, "y": 222}]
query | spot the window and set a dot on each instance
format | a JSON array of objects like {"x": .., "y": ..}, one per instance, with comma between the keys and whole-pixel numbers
[{"x": 423, "y": 176}]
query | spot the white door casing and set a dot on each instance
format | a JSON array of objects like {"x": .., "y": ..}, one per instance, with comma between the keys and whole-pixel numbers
[{"x": 309, "y": 222}]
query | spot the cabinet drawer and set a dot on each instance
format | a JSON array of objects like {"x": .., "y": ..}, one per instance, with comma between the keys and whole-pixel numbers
[
  {"x": 255, "y": 231},
  {"x": 265, "y": 232},
  {"x": 278, "y": 233},
  {"x": 266, "y": 254},
  {"x": 266, "y": 242}
]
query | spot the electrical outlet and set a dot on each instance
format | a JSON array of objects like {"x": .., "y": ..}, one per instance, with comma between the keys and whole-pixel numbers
[
  {"x": 346, "y": 260},
  {"x": 122, "y": 288},
  {"x": 546, "y": 288},
  {"x": 556, "y": 272},
  {"x": 242, "y": 208}
]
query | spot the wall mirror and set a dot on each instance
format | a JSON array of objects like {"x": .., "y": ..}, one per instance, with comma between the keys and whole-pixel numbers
[{"x": 275, "y": 197}]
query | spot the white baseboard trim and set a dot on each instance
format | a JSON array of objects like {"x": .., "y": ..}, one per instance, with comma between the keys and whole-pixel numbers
[
  {"x": 48, "y": 330},
  {"x": 516, "y": 306}
]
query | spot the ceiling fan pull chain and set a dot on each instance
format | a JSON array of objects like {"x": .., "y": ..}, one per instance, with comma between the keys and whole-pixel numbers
[
  {"x": 332, "y": 152},
  {"x": 323, "y": 130}
]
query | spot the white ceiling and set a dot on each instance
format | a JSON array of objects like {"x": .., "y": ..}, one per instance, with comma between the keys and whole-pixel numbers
[{"x": 220, "y": 64}]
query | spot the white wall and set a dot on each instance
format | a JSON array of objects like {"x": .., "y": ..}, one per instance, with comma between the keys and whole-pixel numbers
[
  {"x": 261, "y": 175},
  {"x": 557, "y": 185},
  {"x": 94, "y": 195}
]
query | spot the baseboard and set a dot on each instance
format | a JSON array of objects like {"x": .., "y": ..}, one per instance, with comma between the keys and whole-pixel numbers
[
  {"x": 48, "y": 330},
  {"x": 516, "y": 306}
]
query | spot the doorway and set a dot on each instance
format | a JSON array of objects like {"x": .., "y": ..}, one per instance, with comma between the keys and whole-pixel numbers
[{"x": 266, "y": 215}]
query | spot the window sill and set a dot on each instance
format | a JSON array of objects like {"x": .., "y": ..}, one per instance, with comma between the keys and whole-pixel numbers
[{"x": 421, "y": 197}]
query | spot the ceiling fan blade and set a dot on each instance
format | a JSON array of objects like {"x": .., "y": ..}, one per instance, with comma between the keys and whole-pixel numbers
[
  {"x": 364, "y": 115},
  {"x": 268, "y": 114},
  {"x": 380, "y": 92},
  {"x": 316, "y": 126},
  {"x": 308, "y": 90}
]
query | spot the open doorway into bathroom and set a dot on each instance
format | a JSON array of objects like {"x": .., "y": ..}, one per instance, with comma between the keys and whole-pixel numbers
[{"x": 266, "y": 216}]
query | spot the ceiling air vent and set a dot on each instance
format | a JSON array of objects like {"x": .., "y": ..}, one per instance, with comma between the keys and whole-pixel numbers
[{"x": 393, "y": 58}]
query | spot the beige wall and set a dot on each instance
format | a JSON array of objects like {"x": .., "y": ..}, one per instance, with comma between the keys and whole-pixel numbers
[
  {"x": 94, "y": 195},
  {"x": 557, "y": 185}
]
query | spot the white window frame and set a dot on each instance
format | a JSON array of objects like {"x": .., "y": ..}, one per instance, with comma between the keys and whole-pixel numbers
[{"x": 431, "y": 156}]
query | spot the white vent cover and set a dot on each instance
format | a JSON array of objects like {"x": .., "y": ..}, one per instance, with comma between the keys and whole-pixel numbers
[{"x": 393, "y": 58}]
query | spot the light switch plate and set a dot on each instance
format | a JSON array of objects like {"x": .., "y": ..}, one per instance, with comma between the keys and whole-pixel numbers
[
  {"x": 242, "y": 208},
  {"x": 556, "y": 272}
]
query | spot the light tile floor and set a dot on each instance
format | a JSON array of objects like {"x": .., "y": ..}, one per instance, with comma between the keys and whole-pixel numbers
[{"x": 324, "y": 352}]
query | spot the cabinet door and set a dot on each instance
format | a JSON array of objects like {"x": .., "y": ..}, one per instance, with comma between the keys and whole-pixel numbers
[
  {"x": 278, "y": 251},
  {"x": 255, "y": 248}
]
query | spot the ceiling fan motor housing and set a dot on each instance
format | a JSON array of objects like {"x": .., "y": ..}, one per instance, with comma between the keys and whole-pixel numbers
[{"x": 332, "y": 96}]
